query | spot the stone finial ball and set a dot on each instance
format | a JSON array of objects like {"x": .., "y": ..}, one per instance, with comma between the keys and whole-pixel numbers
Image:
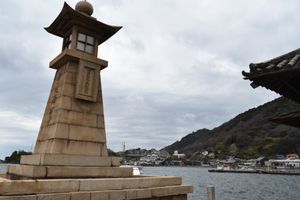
[{"x": 84, "y": 7}]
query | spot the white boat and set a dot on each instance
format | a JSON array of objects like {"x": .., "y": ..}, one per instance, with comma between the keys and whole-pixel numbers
[{"x": 137, "y": 170}]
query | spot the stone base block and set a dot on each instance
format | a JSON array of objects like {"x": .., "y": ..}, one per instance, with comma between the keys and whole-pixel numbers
[
  {"x": 107, "y": 196},
  {"x": 31, "y": 171},
  {"x": 70, "y": 160},
  {"x": 158, "y": 188}
]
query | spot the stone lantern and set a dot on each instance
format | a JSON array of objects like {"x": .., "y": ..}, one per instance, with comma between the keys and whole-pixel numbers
[
  {"x": 72, "y": 139},
  {"x": 70, "y": 160}
]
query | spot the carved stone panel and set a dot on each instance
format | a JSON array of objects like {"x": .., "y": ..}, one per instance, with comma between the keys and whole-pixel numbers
[{"x": 87, "y": 86}]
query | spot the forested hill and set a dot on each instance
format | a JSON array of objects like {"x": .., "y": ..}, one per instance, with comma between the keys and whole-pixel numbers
[{"x": 248, "y": 135}]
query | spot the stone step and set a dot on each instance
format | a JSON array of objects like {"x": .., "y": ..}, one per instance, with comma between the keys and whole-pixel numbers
[
  {"x": 70, "y": 160},
  {"x": 32, "y": 171},
  {"x": 157, "y": 193},
  {"x": 48, "y": 186}
]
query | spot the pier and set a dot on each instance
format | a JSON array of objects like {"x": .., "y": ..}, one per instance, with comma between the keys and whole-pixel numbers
[{"x": 257, "y": 171}]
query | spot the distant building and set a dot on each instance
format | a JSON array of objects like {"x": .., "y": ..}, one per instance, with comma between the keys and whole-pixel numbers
[
  {"x": 287, "y": 163},
  {"x": 178, "y": 155},
  {"x": 204, "y": 153},
  {"x": 211, "y": 155},
  {"x": 163, "y": 154},
  {"x": 149, "y": 158},
  {"x": 258, "y": 162},
  {"x": 176, "y": 163},
  {"x": 227, "y": 164},
  {"x": 144, "y": 157},
  {"x": 292, "y": 156}
]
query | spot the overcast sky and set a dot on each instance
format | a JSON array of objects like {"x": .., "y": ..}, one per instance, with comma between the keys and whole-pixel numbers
[{"x": 174, "y": 68}]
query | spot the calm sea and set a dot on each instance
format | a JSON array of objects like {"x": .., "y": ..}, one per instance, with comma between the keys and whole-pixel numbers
[
  {"x": 231, "y": 186},
  {"x": 234, "y": 186}
]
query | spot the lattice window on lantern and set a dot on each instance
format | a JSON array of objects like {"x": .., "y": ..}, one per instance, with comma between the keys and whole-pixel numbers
[{"x": 86, "y": 43}]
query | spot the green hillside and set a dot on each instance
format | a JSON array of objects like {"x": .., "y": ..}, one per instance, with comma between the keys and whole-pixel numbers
[{"x": 248, "y": 135}]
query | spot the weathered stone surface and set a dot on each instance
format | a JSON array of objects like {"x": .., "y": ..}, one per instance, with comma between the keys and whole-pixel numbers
[
  {"x": 87, "y": 81},
  {"x": 63, "y": 102},
  {"x": 74, "y": 118},
  {"x": 65, "y": 196},
  {"x": 60, "y": 60},
  {"x": 29, "y": 197},
  {"x": 59, "y": 131},
  {"x": 87, "y": 107},
  {"x": 107, "y": 195},
  {"x": 80, "y": 196},
  {"x": 23, "y": 187},
  {"x": 28, "y": 171},
  {"x": 94, "y": 189},
  {"x": 72, "y": 67},
  {"x": 160, "y": 181},
  {"x": 68, "y": 172},
  {"x": 171, "y": 191},
  {"x": 180, "y": 197},
  {"x": 144, "y": 193},
  {"x": 70, "y": 147},
  {"x": 41, "y": 147},
  {"x": 117, "y": 195},
  {"x": 67, "y": 90},
  {"x": 166, "y": 198},
  {"x": 54, "y": 117},
  {"x": 104, "y": 150},
  {"x": 83, "y": 133},
  {"x": 131, "y": 194},
  {"x": 100, "y": 195},
  {"x": 115, "y": 161},
  {"x": 31, "y": 159},
  {"x": 127, "y": 183},
  {"x": 69, "y": 160},
  {"x": 45, "y": 120},
  {"x": 101, "y": 184},
  {"x": 68, "y": 77},
  {"x": 100, "y": 121}
]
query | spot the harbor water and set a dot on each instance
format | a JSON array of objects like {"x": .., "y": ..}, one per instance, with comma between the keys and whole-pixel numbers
[
  {"x": 231, "y": 186},
  {"x": 234, "y": 186},
  {"x": 2, "y": 168}
]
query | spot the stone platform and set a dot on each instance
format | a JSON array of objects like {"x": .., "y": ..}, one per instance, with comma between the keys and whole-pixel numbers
[
  {"x": 154, "y": 188},
  {"x": 68, "y": 166},
  {"x": 70, "y": 160},
  {"x": 29, "y": 171}
]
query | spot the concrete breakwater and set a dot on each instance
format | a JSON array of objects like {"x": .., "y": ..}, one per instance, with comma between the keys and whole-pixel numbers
[{"x": 257, "y": 171}]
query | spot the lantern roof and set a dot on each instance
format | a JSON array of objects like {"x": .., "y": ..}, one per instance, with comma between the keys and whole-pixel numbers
[{"x": 68, "y": 17}]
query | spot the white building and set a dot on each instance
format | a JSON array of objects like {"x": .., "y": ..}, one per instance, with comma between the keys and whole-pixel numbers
[
  {"x": 178, "y": 155},
  {"x": 287, "y": 163}
]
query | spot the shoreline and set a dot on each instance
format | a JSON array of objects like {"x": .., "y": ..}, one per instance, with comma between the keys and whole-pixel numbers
[{"x": 273, "y": 172}]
